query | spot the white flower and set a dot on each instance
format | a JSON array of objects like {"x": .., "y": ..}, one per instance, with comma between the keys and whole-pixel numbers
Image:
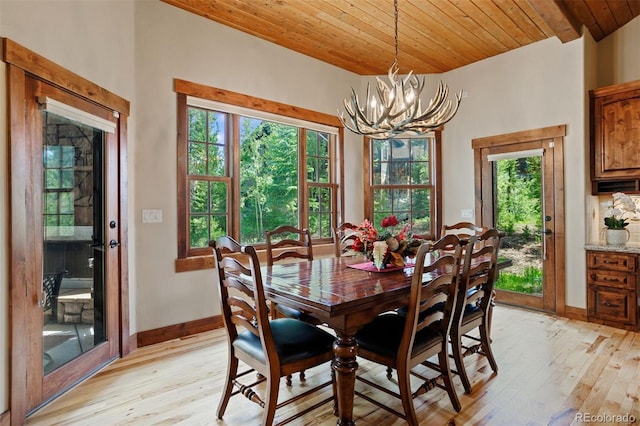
[
  {"x": 379, "y": 253},
  {"x": 621, "y": 203},
  {"x": 619, "y": 209}
]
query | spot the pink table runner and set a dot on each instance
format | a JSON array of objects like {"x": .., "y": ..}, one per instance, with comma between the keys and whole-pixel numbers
[{"x": 370, "y": 267}]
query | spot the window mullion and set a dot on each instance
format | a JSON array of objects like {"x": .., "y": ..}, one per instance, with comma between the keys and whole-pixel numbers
[
  {"x": 303, "y": 197},
  {"x": 234, "y": 142}
]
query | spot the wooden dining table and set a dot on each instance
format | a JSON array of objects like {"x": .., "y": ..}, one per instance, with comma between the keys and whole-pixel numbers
[{"x": 344, "y": 298}]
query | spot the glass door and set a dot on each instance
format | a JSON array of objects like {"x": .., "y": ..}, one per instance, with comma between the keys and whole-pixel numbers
[
  {"x": 75, "y": 164},
  {"x": 520, "y": 184},
  {"x": 518, "y": 205},
  {"x": 73, "y": 243}
]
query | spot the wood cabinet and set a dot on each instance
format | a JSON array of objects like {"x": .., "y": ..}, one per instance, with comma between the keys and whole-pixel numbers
[
  {"x": 612, "y": 289},
  {"x": 615, "y": 138}
]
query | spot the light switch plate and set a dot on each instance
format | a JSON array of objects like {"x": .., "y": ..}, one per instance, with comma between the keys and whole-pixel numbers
[
  {"x": 151, "y": 216},
  {"x": 466, "y": 213}
]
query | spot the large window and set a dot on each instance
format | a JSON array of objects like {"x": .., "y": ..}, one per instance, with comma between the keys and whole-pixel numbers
[
  {"x": 321, "y": 185},
  {"x": 403, "y": 177},
  {"x": 248, "y": 171},
  {"x": 208, "y": 175}
]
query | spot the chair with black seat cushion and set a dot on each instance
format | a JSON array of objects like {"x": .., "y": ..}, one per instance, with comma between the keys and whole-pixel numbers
[
  {"x": 274, "y": 348},
  {"x": 51, "y": 284},
  {"x": 474, "y": 304},
  {"x": 402, "y": 342},
  {"x": 289, "y": 242},
  {"x": 343, "y": 238}
]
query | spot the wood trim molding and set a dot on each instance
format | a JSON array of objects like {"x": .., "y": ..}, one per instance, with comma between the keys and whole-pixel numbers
[
  {"x": 123, "y": 235},
  {"x": 133, "y": 342},
  {"x": 15, "y": 54},
  {"x": 519, "y": 137},
  {"x": 575, "y": 313},
  {"x": 176, "y": 331},
  {"x": 5, "y": 418},
  {"x": 559, "y": 224},
  {"x": 615, "y": 89},
  {"x": 252, "y": 102},
  {"x": 18, "y": 153}
]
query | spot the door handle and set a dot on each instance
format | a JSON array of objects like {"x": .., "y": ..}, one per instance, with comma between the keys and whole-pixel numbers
[
  {"x": 113, "y": 243},
  {"x": 546, "y": 232}
]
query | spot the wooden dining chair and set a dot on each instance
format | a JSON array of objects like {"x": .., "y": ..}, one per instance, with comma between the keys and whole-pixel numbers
[
  {"x": 343, "y": 238},
  {"x": 403, "y": 342},
  {"x": 474, "y": 304},
  {"x": 463, "y": 229},
  {"x": 289, "y": 242},
  {"x": 273, "y": 348}
]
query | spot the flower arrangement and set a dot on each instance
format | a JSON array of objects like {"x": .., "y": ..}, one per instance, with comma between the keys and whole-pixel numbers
[
  {"x": 618, "y": 208},
  {"x": 385, "y": 246}
]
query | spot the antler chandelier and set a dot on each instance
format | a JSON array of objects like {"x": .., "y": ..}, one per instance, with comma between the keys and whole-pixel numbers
[{"x": 397, "y": 109}]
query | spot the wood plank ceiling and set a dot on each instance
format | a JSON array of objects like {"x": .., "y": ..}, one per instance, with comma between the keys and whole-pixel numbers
[{"x": 434, "y": 36}]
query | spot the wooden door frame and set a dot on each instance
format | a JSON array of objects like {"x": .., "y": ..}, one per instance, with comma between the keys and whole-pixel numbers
[
  {"x": 553, "y": 137},
  {"x": 21, "y": 64}
]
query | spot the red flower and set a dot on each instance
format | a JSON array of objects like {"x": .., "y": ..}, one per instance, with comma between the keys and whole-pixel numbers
[
  {"x": 357, "y": 245},
  {"x": 390, "y": 221}
]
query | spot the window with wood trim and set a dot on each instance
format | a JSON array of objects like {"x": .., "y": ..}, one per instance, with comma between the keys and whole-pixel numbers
[
  {"x": 244, "y": 171},
  {"x": 403, "y": 176},
  {"x": 207, "y": 175}
]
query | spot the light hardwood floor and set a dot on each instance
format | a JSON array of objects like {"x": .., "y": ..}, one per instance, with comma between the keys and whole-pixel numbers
[{"x": 552, "y": 371}]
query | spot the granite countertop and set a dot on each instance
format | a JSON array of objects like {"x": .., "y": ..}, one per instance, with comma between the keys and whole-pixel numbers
[{"x": 631, "y": 247}]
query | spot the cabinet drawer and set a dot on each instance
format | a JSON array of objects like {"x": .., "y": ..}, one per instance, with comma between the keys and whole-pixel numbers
[
  {"x": 611, "y": 304},
  {"x": 601, "y": 277},
  {"x": 611, "y": 261}
]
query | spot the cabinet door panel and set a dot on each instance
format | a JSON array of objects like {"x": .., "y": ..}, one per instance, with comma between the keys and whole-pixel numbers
[
  {"x": 612, "y": 279},
  {"x": 612, "y": 305},
  {"x": 615, "y": 136},
  {"x": 611, "y": 261},
  {"x": 620, "y": 133}
]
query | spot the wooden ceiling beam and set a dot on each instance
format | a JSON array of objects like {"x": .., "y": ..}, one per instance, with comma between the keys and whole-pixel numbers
[{"x": 558, "y": 18}]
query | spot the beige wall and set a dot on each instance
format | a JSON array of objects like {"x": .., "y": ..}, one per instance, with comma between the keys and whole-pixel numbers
[
  {"x": 136, "y": 49},
  {"x": 619, "y": 55},
  {"x": 591, "y": 82}
]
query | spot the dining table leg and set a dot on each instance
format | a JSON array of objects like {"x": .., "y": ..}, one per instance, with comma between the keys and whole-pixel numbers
[{"x": 345, "y": 365}]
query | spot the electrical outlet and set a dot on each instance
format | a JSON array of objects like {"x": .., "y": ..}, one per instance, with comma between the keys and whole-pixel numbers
[
  {"x": 151, "y": 216},
  {"x": 466, "y": 213}
]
